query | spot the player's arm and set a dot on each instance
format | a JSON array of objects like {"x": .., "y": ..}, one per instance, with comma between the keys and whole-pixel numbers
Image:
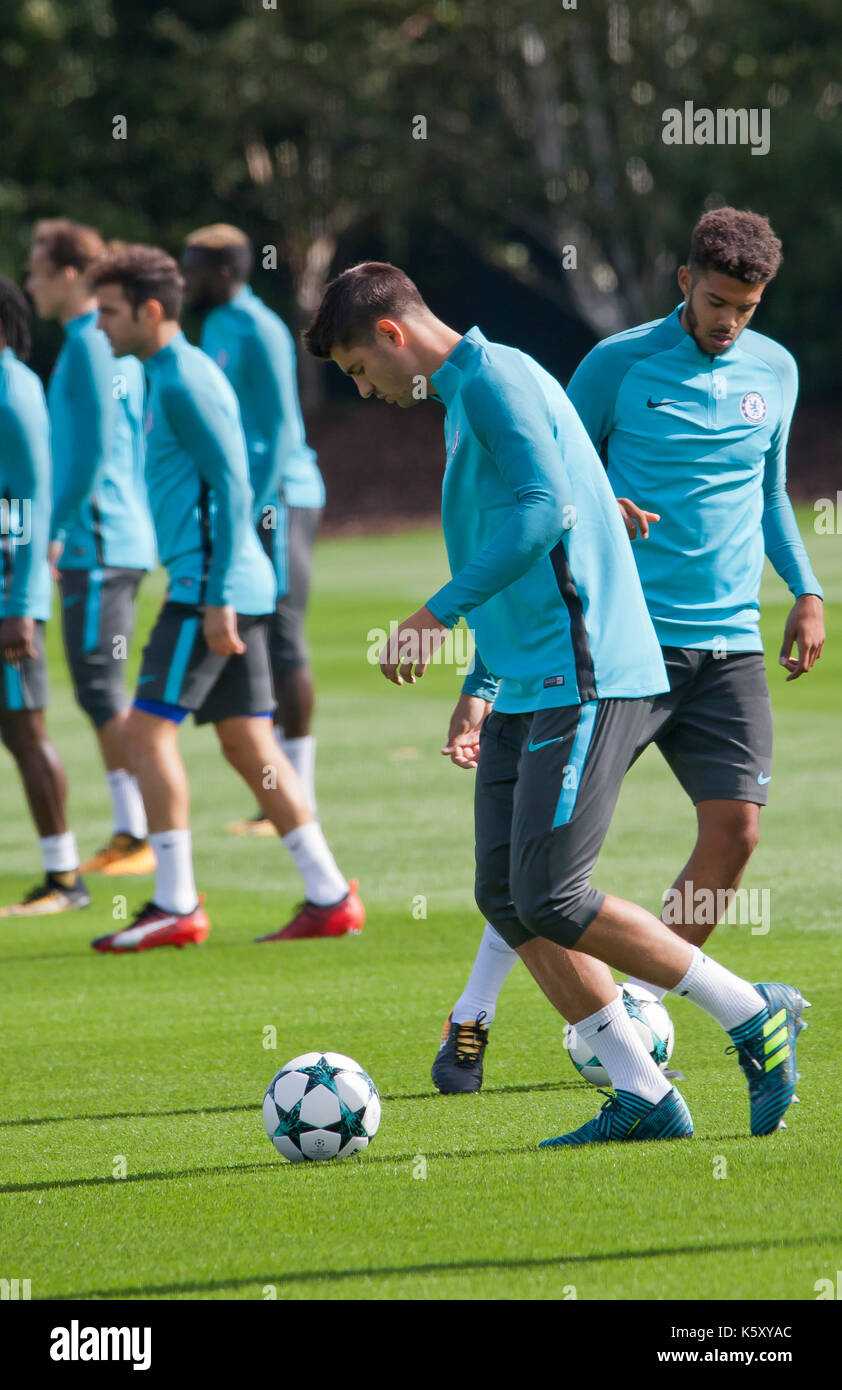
[
  {"x": 90, "y": 375},
  {"x": 785, "y": 548},
  {"x": 215, "y": 443},
  {"x": 273, "y": 377},
  {"x": 514, "y": 425},
  {"x": 592, "y": 391},
  {"x": 26, "y": 459}
]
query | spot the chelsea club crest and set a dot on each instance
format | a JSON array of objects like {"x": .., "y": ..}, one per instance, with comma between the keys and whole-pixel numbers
[{"x": 753, "y": 407}]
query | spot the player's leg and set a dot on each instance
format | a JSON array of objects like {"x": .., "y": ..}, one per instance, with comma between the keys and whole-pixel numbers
[
  {"x": 240, "y": 705},
  {"x": 98, "y": 612},
  {"x": 291, "y": 672},
  {"x": 553, "y": 852},
  {"x": 23, "y": 731},
  {"x": 719, "y": 745}
]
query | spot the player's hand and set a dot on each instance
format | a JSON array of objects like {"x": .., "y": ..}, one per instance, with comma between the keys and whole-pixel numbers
[
  {"x": 407, "y": 652},
  {"x": 54, "y": 554},
  {"x": 17, "y": 640},
  {"x": 463, "y": 735},
  {"x": 220, "y": 630},
  {"x": 636, "y": 518},
  {"x": 804, "y": 629}
]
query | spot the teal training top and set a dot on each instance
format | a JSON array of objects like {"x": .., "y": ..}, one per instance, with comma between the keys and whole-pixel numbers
[
  {"x": 701, "y": 440},
  {"x": 198, "y": 480},
  {"x": 541, "y": 561},
  {"x": 100, "y": 507},
  {"x": 24, "y": 492},
  {"x": 255, "y": 349}
]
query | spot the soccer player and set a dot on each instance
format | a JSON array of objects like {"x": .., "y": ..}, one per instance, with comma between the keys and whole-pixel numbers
[
  {"x": 542, "y": 565},
  {"x": 207, "y": 652},
  {"x": 692, "y": 414},
  {"x": 255, "y": 349},
  {"x": 101, "y": 530},
  {"x": 24, "y": 610}
]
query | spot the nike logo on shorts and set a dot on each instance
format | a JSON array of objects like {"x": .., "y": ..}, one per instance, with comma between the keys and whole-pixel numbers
[{"x": 533, "y": 747}]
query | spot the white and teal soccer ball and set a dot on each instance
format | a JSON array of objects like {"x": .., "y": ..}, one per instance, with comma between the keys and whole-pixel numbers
[
  {"x": 321, "y": 1105},
  {"x": 650, "y": 1020}
]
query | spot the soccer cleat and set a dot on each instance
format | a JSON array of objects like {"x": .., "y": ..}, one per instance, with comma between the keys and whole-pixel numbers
[
  {"x": 344, "y": 918},
  {"x": 457, "y": 1069},
  {"x": 257, "y": 825},
  {"x": 153, "y": 926},
  {"x": 124, "y": 854},
  {"x": 765, "y": 1049},
  {"x": 48, "y": 898},
  {"x": 625, "y": 1118}
]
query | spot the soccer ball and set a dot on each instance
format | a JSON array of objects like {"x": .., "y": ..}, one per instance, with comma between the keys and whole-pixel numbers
[
  {"x": 652, "y": 1023},
  {"x": 321, "y": 1105}
]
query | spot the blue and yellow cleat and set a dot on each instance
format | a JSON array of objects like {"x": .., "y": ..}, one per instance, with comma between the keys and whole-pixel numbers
[
  {"x": 625, "y": 1118},
  {"x": 765, "y": 1048}
]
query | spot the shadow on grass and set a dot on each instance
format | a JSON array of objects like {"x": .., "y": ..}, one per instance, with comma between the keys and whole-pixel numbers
[
  {"x": 560, "y": 1261},
  {"x": 357, "y": 1160},
  {"x": 253, "y": 1105}
]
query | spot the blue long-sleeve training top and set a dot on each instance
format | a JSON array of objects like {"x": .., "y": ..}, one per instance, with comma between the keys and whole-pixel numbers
[
  {"x": 541, "y": 562},
  {"x": 255, "y": 349},
  {"x": 198, "y": 480},
  {"x": 24, "y": 492},
  {"x": 701, "y": 440},
  {"x": 100, "y": 507}
]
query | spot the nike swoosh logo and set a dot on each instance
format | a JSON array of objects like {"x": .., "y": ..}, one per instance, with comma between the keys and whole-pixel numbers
[
  {"x": 653, "y": 405},
  {"x": 603, "y": 1026},
  {"x": 763, "y": 780},
  {"x": 533, "y": 747}
]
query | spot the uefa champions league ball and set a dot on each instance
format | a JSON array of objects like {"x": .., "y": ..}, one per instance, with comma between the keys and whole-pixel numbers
[
  {"x": 321, "y": 1105},
  {"x": 650, "y": 1020}
]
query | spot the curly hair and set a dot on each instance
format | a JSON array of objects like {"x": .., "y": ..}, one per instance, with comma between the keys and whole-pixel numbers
[{"x": 739, "y": 244}]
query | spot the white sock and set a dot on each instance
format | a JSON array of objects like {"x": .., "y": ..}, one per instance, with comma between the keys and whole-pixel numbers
[
  {"x": 60, "y": 853},
  {"x": 491, "y": 967},
  {"x": 659, "y": 991},
  {"x": 622, "y": 1053},
  {"x": 323, "y": 883},
  {"x": 175, "y": 887},
  {"x": 302, "y": 754},
  {"x": 723, "y": 995},
  {"x": 127, "y": 804}
]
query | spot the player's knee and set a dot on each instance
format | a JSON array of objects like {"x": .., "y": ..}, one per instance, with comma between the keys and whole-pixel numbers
[
  {"x": 20, "y": 734},
  {"x": 733, "y": 835},
  {"x": 559, "y": 915}
]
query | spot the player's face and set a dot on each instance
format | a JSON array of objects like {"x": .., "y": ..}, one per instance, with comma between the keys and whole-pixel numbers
[
  {"x": 46, "y": 284},
  {"x": 381, "y": 369},
  {"x": 206, "y": 286},
  {"x": 118, "y": 321},
  {"x": 716, "y": 308}
]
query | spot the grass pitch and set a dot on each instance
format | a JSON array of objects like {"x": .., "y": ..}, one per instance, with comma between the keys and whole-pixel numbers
[{"x": 155, "y": 1065}]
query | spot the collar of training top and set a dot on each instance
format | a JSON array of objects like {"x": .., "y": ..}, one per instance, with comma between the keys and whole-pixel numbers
[
  {"x": 448, "y": 378},
  {"x": 164, "y": 354},
  {"x": 82, "y": 321}
]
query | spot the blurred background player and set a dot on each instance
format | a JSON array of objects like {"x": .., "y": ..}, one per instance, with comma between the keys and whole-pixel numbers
[
  {"x": 692, "y": 415},
  {"x": 208, "y": 650},
  {"x": 24, "y": 609},
  {"x": 255, "y": 349},
  {"x": 101, "y": 530}
]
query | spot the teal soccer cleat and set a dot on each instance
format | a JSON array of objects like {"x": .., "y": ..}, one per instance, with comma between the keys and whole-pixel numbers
[
  {"x": 765, "y": 1048},
  {"x": 625, "y": 1118}
]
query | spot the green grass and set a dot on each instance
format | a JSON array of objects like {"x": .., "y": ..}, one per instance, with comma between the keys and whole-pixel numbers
[{"x": 160, "y": 1058}]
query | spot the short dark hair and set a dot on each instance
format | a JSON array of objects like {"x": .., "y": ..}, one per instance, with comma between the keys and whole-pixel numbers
[
  {"x": 14, "y": 318},
  {"x": 739, "y": 244},
  {"x": 144, "y": 272},
  {"x": 68, "y": 243},
  {"x": 355, "y": 300},
  {"x": 222, "y": 244}
]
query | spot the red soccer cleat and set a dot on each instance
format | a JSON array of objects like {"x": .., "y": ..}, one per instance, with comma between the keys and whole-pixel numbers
[
  {"x": 344, "y": 918},
  {"x": 154, "y": 927}
]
